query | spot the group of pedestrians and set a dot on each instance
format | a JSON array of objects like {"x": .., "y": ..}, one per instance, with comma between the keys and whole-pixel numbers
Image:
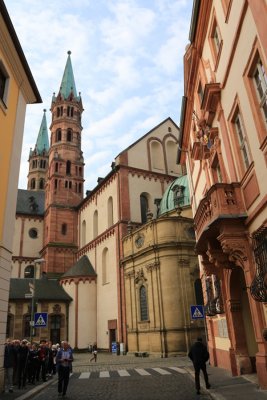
[{"x": 26, "y": 363}]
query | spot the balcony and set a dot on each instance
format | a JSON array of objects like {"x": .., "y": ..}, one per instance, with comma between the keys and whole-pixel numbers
[
  {"x": 211, "y": 98},
  {"x": 222, "y": 201}
]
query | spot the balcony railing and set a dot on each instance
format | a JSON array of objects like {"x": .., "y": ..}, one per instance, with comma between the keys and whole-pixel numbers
[{"x": 222, "y": 201}]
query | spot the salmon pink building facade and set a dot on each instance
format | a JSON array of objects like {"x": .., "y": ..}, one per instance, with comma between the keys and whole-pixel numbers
[{"x": 224, "y": 145}]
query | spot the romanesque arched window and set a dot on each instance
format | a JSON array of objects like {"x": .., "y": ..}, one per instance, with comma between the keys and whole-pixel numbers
[
  {"x": 143, "y": 304},
  {"x": 143, "y": 207},
  {"x": 58, "y": 135},
  {"x": 69, "y": 135},
  {"x": 83, "y": 235},
  {"x": 41, "y": 183},
  {"x": 29, "y": 271},
  {"x": 110, "y": 212},
  {"x": 105, "y": 277},
  {"x": 68, "y": 167},
  {"x": 33, "y": 183},
  {"x": 95, "y": 224}
]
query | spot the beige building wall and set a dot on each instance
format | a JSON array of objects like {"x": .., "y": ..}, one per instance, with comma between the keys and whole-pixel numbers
[
  {"x": 87, "y": 319},
  {"x": 20, "y": 90}
]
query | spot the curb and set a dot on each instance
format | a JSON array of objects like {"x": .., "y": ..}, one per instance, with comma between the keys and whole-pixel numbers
[{"x": 34, "y": 391}]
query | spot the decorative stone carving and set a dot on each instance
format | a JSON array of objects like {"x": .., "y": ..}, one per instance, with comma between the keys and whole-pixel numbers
[
  {"x": 140, "y": 276},
  {"x": 139, "y": 240}
]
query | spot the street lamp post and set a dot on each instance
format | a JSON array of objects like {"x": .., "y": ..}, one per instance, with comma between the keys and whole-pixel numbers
[{"x": 37, "y": 261}]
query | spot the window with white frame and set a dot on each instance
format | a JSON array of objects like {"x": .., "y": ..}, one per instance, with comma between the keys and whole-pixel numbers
[
  {"x": 240, "y": 132},
  {"x": 260, "y": 80}
]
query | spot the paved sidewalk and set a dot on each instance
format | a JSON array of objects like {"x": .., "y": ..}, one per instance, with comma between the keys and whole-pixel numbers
[{"x": 223, "y": 385}]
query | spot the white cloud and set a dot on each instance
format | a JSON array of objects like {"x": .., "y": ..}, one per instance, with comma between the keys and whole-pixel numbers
[{"x": 127, "y": 62}]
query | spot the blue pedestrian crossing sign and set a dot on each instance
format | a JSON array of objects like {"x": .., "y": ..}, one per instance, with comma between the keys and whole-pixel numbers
[
  {"x": 197, "y": 312},
  {"x": 40, "y": 320}
]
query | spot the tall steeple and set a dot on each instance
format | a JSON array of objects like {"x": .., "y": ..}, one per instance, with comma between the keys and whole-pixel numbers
[
  {"x": 65, "y": 176},
  {"x": 38, "y": 159}
]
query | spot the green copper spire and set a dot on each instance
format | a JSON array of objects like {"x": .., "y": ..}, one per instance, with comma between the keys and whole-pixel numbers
[
  {"x": 68, "y": 84},
  {"x": 42, "y": 142}
]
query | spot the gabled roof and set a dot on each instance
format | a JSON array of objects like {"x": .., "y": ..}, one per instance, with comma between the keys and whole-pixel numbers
[
  {"x": 30, "y": 202},
  {"x": 45, "y": 289},
  {"x": 83, "y": 267},
  {"x": 146, "y": 134},
  {"x": 42, "y": 142},
  {"x": 68, "y": 84}
]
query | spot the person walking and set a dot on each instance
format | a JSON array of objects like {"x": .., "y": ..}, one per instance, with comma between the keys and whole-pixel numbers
[
  {"x": 9, "y": 361},
  {"x": 199, "y": 355},
  {"x": 94, "y": 351},
  {"x": 64, "y": 360}
]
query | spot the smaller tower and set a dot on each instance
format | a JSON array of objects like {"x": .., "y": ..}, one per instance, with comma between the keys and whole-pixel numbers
[{"x": 38, "y": 159}]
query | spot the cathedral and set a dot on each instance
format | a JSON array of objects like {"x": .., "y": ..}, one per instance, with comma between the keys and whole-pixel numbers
[{"x": 116, "y": 264}]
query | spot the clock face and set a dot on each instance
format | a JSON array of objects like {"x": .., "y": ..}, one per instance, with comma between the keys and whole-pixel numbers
[{"x": 139, "y": 241}]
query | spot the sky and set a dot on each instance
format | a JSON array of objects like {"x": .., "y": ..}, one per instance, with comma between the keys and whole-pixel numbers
[{"x": 127, "y": 59}]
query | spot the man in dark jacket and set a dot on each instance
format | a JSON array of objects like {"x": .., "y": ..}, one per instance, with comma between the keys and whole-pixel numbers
[
  {"x": 9, "y": 361},
  {"x": 199, "y": 355}
]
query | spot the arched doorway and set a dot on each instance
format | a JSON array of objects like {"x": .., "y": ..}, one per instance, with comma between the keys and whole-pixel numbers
[{"x": 243, "y": 337}]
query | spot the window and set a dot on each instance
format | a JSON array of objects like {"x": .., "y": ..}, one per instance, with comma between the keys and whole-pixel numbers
[
  {"x": 242, "y": 141},
  {"x": 200, "y": 92},
  {"x": 144, "y": 208},
  {"x": 215, "y": 40},
  {"x": 80, "y": 187},
  {"x": 68, "y": 167},
  {"x": 178, "y": 195},
  {"x": 260, "y": 81},
  {"x": 143, "y": 304},
  {"x": 95, "y": 224},
  {"x": 105, "y": 278},
  {"x": 70, "y": 111},
  {"x": 33, "y": 233},
  {"x": 59, "y": 111},
  {"x": 33, "y": 183},
  {"x": 55, "y": 183},
  {"x": 216, "y": 170},
  {"x": 58, "y": 135},
  {"x": 256, "y": 85},
  {"x": 4, "y": 81},
  {"x": 56, "y": 167},
  {"x": 29, "y": 271},
  {"x": 64, "y": 229},
  {"x": 110, "y": 212},
  {"x": 69, "y": 135},
  {"x": 41, "y": 183},
  {"x": 83, "y": 236}
]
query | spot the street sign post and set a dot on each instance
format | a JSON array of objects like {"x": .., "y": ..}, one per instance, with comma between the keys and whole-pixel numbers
[{"x": 40, "y": 320}]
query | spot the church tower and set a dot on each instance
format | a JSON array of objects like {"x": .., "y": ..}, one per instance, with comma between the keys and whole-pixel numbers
[
  {"x": 64, "y": 190},
  {"x": 38, "y": 159}
]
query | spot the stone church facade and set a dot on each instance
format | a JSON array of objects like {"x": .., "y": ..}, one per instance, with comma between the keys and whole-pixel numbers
[{"x": 71, "y": 248}]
